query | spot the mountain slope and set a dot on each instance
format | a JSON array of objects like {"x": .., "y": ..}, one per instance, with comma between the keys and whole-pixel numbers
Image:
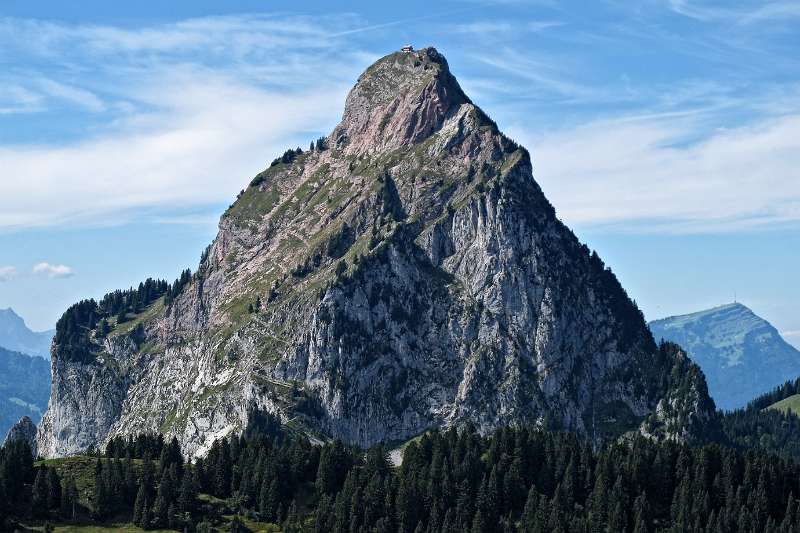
[
  {"x": 15, "y": 335},
  {"x": 405, "y": 274},
  {"x": 24, "y": 388},
  {"x": 741, "y": 354}
]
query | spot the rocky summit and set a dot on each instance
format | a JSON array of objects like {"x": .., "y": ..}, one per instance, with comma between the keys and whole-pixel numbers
[
  {"x": 24, "y": 430},
  {"x": 406, "y": 273}
]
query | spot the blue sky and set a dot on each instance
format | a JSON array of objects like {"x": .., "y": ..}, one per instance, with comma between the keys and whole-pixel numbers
[{"x": 665, "y": 132}]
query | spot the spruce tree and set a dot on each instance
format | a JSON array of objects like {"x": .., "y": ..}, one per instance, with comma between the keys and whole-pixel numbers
[
  {"x": 139, "y": 505},
  {"x": 39, "y": 493},
  {"x": 53, "y": 489}
]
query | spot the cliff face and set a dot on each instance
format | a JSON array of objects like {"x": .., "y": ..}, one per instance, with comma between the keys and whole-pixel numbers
[{"x": 410, "y": 274}]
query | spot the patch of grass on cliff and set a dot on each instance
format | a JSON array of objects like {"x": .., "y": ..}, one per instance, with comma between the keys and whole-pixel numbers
[
  {"x": 155, "y": 309},
  {"x": 253, "y": 204}
]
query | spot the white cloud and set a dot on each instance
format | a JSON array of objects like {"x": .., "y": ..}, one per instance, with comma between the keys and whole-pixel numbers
[
  {"x": 710, "y": 11},
  {"x": 202, "y": 105},
  {"x": 15, "y": 98},
  {"x": 53, "y": 271},
  {"x": 74, "y": 95},
  {"x": 7, "y": 273},
  {"x": 194, "y": 152},
  {"x": 484, "y": 28},
  {"x": 199, "y": 107},
  {"x": 653, "y": 175}
]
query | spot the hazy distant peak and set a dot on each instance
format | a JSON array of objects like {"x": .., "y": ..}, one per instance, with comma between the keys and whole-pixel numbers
[
  {"x": 17, "y": 336},
  {"x": 741, "y": 354}
]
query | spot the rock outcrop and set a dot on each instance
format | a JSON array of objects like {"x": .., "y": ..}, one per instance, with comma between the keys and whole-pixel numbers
[
  {"x": 24, "y": 430},
  {"x": 407, "y": 273}
]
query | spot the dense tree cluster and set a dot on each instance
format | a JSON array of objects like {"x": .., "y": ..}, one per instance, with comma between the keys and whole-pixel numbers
[
  {"x": 287, "y": 157},
  {"x": 320, "y": 144},
  {"x": 516, "y": 480},
  {"x": 27, "y": 491},
  {"x": 533, "y": 481},
  {"x": 770, "y": 430},
  {"x": 74, "y": 328},
  {"x": 134, "y": 300},
  {"x": 790, "y": 388},
  {"x": 177, "y": 286}
]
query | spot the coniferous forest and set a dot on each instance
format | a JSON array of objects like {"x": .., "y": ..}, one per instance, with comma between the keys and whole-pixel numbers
[{"x": 515, "y": 480}]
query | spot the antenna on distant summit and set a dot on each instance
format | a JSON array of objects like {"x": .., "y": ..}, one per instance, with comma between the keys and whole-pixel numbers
[{"x": 734, "y": 297}]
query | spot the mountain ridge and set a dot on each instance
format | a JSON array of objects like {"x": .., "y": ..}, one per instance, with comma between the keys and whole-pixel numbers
[
  {"x": 17, "y": 337},
  {"x": 406, "y": 273}
]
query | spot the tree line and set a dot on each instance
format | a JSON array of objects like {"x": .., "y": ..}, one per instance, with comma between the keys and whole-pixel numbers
[
  {"x": 514, "y": 480},
  {"x": 74, "y": 328}
]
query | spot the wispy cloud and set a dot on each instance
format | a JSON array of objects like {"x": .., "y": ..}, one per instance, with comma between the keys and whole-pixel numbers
[
  {"x": 74, "y": 95},
  {"x": 548, "y": 74},
  {"x": 642, "y": 175},
  {"x": 53, "y": 271},
  {"x": 15, "y": 98},
  {"x": 484, "y": 28},
  {"x": 199, "y": 107},
  {"x": 7, "y": 273},
  {"x": 739, "y": 14}
]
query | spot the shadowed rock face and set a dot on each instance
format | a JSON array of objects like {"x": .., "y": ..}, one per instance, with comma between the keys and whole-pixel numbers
[
  {"x": 411, "y": 275},
  {"x": 24, "y": 430}
]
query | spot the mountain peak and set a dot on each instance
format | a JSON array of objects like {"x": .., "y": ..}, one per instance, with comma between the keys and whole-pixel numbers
[
  {"x": 741, "y": 354},
  {"x": 406, "y": 274},
  {"x": 399, "y": 100},
  {"x": 10, "y": 314},
  {"x": 16, "y": 336}
]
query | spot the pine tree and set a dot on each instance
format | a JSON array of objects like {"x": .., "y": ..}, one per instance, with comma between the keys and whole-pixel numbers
[
  {"x": 478, "y": 523},
  {"x": 139, "y": 505},
  {"x": 53, "y": 489},
  {"x": 102, "y": 505},
  {"x": 642, "y": 515},
  {"x": 188, "y": 493},
  {"x": 69, "y": 500},
  {"x": 146, "y": 518},
  {"x": 39, "y": 493}
]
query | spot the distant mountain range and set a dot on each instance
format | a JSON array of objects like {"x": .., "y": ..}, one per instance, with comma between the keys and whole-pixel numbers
[
  {"x": 17, "y": 337},
  {"x": 741, "y": 354},
  {"x": 24, "y": 388}
]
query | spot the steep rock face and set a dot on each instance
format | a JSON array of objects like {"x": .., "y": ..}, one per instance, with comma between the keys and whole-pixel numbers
[
  {"x": 409, "y": 275},
  {"x": 742, "y": 355},
  {"x": 24, "y": 430}
]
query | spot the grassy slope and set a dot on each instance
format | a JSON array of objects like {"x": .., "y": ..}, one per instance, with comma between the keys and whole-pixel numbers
[{"x": 791, "y": 404}]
